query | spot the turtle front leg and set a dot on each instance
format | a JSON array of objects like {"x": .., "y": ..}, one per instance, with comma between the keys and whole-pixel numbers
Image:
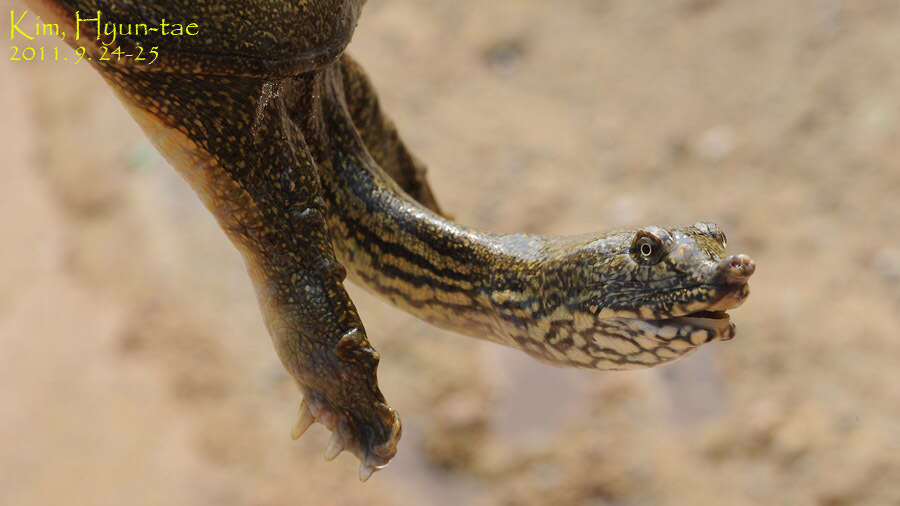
[
  {"x": 314, "y": 326},
  {"x": 322, "y": 343},
  {"x": 262, "y": 187}
]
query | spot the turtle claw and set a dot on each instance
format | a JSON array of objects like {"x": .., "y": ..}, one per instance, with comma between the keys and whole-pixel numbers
[
  {"x": 335, "y": 447},
  {"x": 365, "y": 471},
  {"x": 348, "y": 432},
  {"x": 369, "y": 465},
  {"x": 304, "y": 420}
]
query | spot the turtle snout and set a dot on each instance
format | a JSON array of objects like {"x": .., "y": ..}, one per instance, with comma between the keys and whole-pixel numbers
[{"x": 737, "y": 269}]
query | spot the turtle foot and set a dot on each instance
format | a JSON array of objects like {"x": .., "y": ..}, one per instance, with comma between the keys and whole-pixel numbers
[{"x": 373, "y": 440}]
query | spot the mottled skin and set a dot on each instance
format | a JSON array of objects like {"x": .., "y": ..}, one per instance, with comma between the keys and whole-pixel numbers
[{"x": 282, "y": 137}]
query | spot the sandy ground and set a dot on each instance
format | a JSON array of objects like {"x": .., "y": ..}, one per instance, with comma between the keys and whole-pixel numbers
[{"x": 135, "y": 368}]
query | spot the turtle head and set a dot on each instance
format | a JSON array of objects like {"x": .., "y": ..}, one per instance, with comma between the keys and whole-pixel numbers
[
  {"x": 659, "y": 273},
  {"x": 670, "y": 287},
  {"x": 626, "y": 299}
]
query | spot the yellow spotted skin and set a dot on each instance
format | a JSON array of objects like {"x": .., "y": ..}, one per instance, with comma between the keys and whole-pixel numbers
[{"x": 282, "y": 137}]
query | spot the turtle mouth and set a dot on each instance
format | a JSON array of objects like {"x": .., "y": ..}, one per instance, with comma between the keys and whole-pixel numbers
[
  {"x": 704, "y": 319},
  {"x": 688, "y": 327},
  {"x": 714, "y": 324},
  {"x": 710, "y": 321},
  {"x": 692, "y": 329}
]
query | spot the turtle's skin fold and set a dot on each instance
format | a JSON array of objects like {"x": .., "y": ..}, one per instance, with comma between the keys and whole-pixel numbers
[{"x": 282, "y": 137}]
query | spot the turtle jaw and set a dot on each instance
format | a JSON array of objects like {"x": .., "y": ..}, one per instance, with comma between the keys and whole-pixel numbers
[
  {"x": 694, "y": 329},
  {"x": 699, "y": 322},
  {"x": 724, "y": 288}
]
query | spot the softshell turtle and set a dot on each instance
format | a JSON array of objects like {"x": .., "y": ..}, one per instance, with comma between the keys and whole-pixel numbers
[{"x": 281, "y": 135}]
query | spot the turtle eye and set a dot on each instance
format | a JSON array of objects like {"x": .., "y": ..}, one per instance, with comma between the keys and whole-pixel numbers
[{"x": 646, "y": 248}]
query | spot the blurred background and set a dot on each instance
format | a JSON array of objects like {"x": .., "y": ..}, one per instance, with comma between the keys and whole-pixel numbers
[{"x": 135, "y": 367}]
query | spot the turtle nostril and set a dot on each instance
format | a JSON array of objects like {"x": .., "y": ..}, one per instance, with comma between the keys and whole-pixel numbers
[{"x": 739, "y": 267}]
